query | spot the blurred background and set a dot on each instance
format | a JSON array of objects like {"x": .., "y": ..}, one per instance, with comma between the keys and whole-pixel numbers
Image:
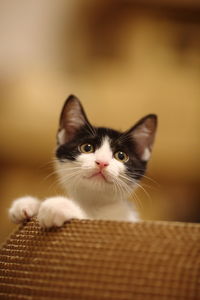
[{"x": 123, "y": 59}]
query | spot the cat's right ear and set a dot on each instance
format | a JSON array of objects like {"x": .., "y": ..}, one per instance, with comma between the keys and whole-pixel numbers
[{"x": 72, "y": 118}]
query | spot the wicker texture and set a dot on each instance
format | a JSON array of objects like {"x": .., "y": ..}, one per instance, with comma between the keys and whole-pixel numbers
[{"x": 102, "y": 260}]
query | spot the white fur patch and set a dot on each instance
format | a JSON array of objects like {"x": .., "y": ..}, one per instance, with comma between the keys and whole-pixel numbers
[
  {"x": 61, "y": 136},
  {"x": 104, "y": 153},
  {"x": 146, "y": 154}
]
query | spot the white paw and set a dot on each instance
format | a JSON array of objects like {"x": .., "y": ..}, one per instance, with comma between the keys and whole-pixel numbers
[
  {"x": 54, "y": 212},
  {"x": 23, "y": 209}
]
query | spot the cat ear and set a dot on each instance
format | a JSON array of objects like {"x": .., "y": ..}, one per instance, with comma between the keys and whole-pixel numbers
[
  {"x": 143, "y": 134},
  {"x": 72, "y": 118}
]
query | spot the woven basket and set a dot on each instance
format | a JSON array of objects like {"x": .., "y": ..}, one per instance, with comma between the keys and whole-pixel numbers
[{"x": 102, "y": 260}]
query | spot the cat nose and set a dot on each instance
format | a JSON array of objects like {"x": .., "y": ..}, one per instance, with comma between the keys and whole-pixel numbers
[{"x": 102, "y": 164}]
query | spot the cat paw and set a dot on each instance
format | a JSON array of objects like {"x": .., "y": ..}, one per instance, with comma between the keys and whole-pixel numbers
[
  {"x": 23, "y": 209},
  {"x": 54, "y": 212}
]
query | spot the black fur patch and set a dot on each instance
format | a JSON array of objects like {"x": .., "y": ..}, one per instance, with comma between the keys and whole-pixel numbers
[{"x": 119, "y": 142}]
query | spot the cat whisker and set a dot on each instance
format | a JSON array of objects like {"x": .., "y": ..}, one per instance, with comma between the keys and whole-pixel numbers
[
  {"x": 127, "y": 178},
  {"x": 137, "y": 200},
  {"x": 146, "y": 177},
  {"x": 123, "y": 187},
  {"x": 145, "y": 192},
  {"x": 152, "y": 188},
  {"x": 53, "y": 173},
  {"x": 119, "y": 188},
  {"x": 66, "y": 179},
  {"x": 134, "y": 195}
]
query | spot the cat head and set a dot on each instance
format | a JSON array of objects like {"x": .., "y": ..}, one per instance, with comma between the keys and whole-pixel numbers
[{"x": 101, "y": 158}]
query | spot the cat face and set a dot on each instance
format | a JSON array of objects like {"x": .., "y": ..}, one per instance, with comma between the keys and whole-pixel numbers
[{"x": 101, "y": 158}]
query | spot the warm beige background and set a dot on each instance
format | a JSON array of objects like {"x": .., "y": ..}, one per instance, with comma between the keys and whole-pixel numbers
[{"x": 123, "y": 60}]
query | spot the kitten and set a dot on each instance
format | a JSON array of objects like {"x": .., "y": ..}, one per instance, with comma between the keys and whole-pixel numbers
[{"x": 99, "y": 167}]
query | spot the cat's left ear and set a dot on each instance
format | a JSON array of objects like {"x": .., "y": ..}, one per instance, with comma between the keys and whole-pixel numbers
[
  {"x": 143, "y": 134},
  {"x": 72, "y": 118}
]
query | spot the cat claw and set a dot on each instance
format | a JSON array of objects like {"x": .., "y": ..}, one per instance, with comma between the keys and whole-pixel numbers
[{"x": 23, "y": 209}]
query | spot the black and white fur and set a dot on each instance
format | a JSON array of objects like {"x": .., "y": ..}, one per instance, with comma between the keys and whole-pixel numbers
[{"x": 98, "y": 183}]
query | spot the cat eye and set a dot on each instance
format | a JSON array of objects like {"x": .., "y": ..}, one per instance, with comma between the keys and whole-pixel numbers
[
  {"x": 86, "y": 148},
  {"x": 121, "y": 156}
]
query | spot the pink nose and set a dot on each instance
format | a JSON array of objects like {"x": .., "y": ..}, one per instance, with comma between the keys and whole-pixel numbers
[{"x": 102, "y": 164}]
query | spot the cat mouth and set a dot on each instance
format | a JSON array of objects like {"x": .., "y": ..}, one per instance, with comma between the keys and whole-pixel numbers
[{"x": 99, "y": 175}]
